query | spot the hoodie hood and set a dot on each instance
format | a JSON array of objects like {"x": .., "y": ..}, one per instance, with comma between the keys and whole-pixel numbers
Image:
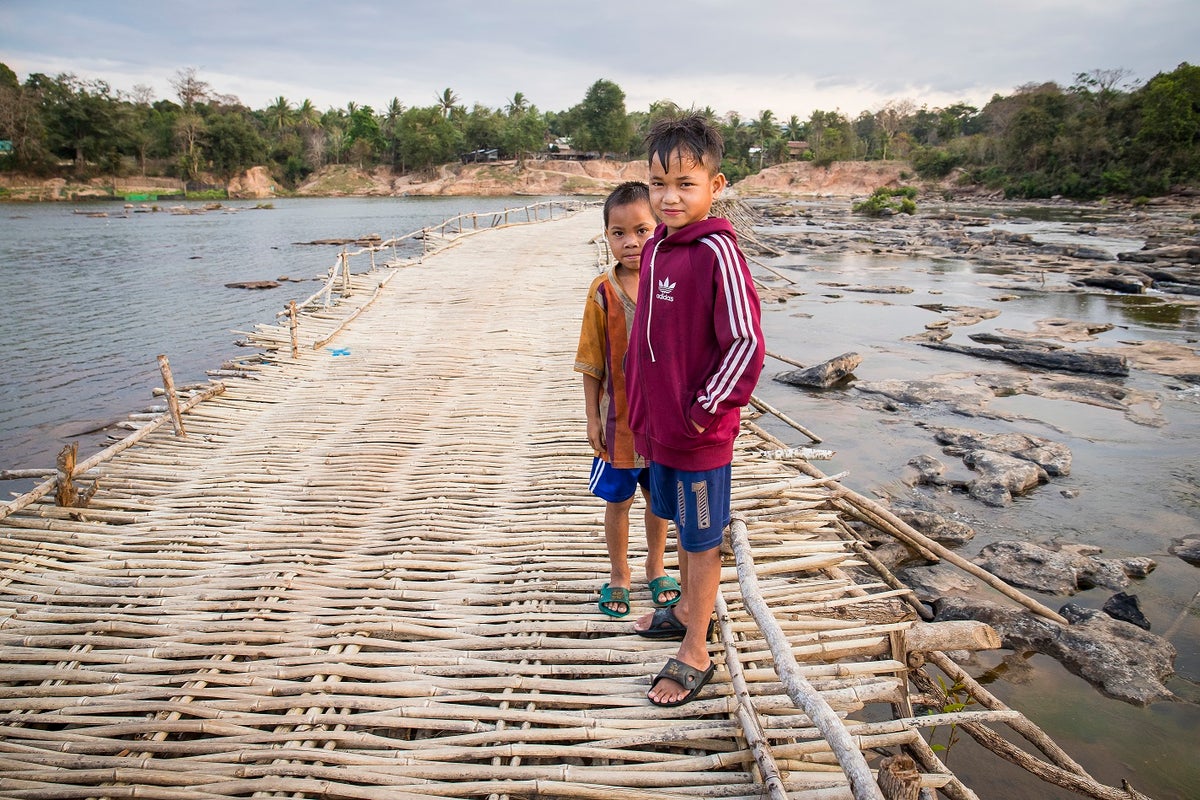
[{"x": 691, "y": 233}]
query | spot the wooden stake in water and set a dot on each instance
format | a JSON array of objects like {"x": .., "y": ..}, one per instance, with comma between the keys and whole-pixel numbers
[
  {"x": 292, "y": 318},
  {"x": 172, "y": 399},
  {"x": 66, "y": 494}
]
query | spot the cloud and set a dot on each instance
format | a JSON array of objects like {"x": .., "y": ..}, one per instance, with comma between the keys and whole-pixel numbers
[{"x": 789, "y": 57}]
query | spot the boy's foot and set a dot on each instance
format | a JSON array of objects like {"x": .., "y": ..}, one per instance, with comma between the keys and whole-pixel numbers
[
  {"x": 664, "y": 623},
  {"x": 614, "y": 600},
  {"x": 665, "y": 591},
  {"x": 678, "y": 683}
]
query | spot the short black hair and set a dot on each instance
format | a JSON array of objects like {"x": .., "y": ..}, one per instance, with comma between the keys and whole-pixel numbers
[
  {"x": 689, "y": 135},
  {"x": 626, "y": 194}
]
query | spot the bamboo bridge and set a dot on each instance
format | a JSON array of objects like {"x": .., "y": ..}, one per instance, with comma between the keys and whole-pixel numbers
[{"x": 365, "y": 565}]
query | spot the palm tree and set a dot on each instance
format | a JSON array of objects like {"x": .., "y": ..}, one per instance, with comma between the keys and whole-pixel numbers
[
  {"x": 308, "y": 120},
  {"x": 794, "y": 129},
  {"x": 279, "y": 113},
  {"x": 517, "y": 105},
  {"x": 394, "y": 110},
  {"x": 391, "y": 128},
  {"x": 307, "y": 115},
  {"x": 764, "y": 128},
  {"x": 447, "y": 100}
]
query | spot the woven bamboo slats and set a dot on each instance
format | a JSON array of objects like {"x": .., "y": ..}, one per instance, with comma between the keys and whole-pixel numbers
[{"x": 371, "y": 571}]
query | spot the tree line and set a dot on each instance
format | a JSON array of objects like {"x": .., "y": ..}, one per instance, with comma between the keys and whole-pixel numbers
[{"x": 1100, "y": 136}]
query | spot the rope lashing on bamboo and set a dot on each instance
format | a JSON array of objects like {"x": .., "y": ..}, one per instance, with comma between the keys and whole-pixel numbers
[{"x": 802, "y": 693}]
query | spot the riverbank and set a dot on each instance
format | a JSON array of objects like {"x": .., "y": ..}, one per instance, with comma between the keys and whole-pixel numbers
[{"x": 530, "y": 177}]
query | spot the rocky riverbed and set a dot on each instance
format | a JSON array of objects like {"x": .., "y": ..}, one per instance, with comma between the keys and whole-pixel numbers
[{"x": 991, "y": 456}]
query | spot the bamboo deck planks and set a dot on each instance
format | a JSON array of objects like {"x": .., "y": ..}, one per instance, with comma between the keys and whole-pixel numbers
[{"x": 374, "y": 574}]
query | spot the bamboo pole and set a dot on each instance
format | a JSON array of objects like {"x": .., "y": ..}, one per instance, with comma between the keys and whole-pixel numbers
[
  {"x": 785, "y": 360},
  {"x": 164, "y": 367},
  {"x": 772, "y": 270},
  {"x": 346, "y": 284},
  {"x": 751, "y": 727},
  {"x": 801, "y": 692},
  {"x": 292, "y": 327},
  {"x": 1067, "y": 774},
  {"x": 766, "y": 407},
  {"x": 24, "y": 474}
]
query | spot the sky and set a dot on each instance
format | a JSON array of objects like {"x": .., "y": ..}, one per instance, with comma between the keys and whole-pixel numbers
[{"x": 787, "y": 56}]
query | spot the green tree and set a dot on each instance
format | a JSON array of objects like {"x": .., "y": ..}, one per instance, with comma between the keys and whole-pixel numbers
[
  {"x": 312, "y": 135},
  {"x": 428, "y": 137},
  {"x": 189, "y": 130},
  {"x": 523, "y": 132},
  {"x": 517, "y": 105},
  {"x": 600, "y": 121},
  {"x": 232, "y": 143},
  {"x": 363, "y": 134},
  {"x": 79, "y": 119},
  {"x": 481, "y": 128},
  {"x": 1167, "y": 141},
  {"x": 831, "y": 137},
  {"x": 21, "y": 122},
  {"x": 795, "y": 130}
]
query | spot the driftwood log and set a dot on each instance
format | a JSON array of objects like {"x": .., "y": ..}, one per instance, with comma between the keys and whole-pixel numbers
[{"x": 1064, "y": 360}]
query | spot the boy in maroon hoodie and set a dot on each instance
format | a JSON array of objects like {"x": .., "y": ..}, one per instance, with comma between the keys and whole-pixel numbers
[{"x": 695, "y": 354}]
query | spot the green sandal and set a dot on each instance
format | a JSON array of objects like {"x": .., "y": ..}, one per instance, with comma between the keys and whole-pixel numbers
[
  {"x": 664, "y": 585},
  {"x": 615, "y": 595}
]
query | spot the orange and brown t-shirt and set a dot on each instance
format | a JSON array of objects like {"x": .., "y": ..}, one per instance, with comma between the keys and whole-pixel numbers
[{"x": 603, "y": 340}]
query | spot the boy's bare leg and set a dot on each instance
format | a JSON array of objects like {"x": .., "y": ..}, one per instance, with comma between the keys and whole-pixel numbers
[
  {"x": 702, "y": 580},
  {"x": 616, "y": 538},
  {"x": 656, "y": 542}
]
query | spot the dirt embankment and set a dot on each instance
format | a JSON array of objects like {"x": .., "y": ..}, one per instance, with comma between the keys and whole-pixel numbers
[
  {"x": 541, "y": 177},
  {"x": 839, "y": 179},
  {"x": 842, "y": 179},
  {"x": 481, "y": 180}
]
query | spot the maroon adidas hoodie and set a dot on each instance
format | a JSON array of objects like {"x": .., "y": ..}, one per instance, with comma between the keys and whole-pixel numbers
[{"x": 696, "y": 348}]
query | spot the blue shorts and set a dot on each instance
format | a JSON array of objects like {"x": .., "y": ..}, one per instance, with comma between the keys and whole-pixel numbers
[
  {"x": 614, "y": 484},
  {"x": 697, "y": 501}
]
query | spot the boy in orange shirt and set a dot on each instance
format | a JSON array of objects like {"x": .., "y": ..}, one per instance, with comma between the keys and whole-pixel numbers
[{"x": 617, "y": 470}]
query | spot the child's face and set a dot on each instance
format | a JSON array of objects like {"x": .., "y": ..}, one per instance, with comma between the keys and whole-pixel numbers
[
  {"x": 683, "y": 191},
  {"x": 629, "y": 226}
]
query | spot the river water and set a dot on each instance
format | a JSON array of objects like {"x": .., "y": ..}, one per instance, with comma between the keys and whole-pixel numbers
[{"x": 91, "y": 301}]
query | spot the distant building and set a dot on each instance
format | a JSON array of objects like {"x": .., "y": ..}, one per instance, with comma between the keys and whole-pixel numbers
[
  {"x": 560, "y": 148},
  {"x": 796, "y": 149},
  {"x": 480, "y": 156}
]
